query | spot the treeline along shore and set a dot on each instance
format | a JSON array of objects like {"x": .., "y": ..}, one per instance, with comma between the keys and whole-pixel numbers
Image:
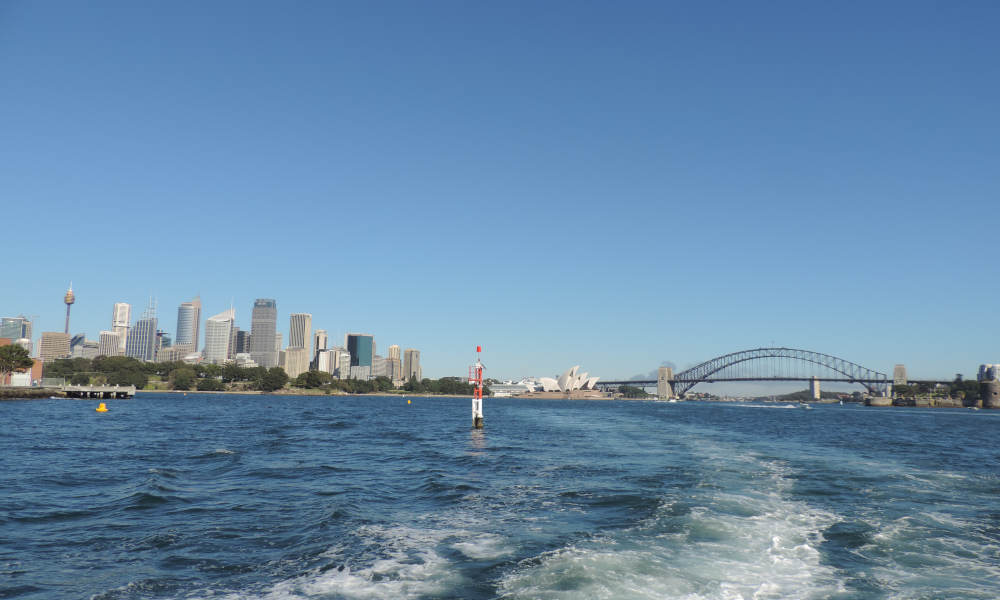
[{"x": 181, "y": 376}]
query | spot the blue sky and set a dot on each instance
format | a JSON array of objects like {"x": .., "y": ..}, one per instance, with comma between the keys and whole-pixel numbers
[{"x": 606, "y": 184}]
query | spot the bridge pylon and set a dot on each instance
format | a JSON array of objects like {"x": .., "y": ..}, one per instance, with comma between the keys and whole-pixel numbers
[{"x": 664, "y": 386}]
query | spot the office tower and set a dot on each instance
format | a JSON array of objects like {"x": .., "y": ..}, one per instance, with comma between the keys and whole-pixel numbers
[
  {"x": 141, "y": 342},
  {"x": 218, "y": 335},
  {"x": 53, "y": 345},
  {"x": 188, "y": 323},
  {"x": 341, "y": 362},
  {"x": 277, "y": 341},
  {"x": 263, "y": 330},
  {"x": 85, "y": 349},
  {"x": 411, "y": 364},
  {"x": 76, "y": 340},
  {"x": 121, "y": 317},
  {"x": 296, "y": 361},
  {"x": 379, "y": 366},
  {"x": 320, "y": 340},
  {"x": 242, "y": 345},
  {"x": 324, "y": 361},
  {"x": 362, "y": 349},
  {"x": 162, "y": 340},
  {"x": 299, "y": 330},
  {"x": 109, "y": 344},
  {"x": 15, "y": 328},
  {"x": 394, "y": 366},
  {"x": 899, "y": 375}
]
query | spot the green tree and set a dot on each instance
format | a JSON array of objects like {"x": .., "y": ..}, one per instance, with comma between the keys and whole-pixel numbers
[
  {"x": 630, "y": 391},
  {"x": 274, "y": 379},
  {"x": 312, "y": 379},
  {"x": 182, "y": 378},
  {"x": 80, "y": 379},
  {"x": 13, "y": 359},
  {"x": 211, "y": 384}
]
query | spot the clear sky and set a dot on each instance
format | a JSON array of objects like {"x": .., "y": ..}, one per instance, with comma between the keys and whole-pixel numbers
[{"x": 610, "y": 184}]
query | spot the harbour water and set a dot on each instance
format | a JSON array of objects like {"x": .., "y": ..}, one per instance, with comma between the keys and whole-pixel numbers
[{"x": 226, "y": 497}]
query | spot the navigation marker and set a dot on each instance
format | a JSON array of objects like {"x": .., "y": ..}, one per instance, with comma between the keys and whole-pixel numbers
[{"x": 476, "y": 377}]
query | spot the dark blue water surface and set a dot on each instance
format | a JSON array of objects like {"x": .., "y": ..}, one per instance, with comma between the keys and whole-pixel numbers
[{"x": 198, "y": 496}]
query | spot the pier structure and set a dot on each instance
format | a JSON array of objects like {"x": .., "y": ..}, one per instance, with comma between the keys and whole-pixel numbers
[{"x": 104, "y": 392}]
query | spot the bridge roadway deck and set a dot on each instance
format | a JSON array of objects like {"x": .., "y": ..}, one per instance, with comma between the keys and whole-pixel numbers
[{"x": 651, "y": 382}]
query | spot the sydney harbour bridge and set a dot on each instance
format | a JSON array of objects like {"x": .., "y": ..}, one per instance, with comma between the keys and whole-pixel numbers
[{"x": 765, "y": 364}]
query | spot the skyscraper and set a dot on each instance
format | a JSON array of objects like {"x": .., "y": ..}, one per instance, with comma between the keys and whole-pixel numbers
[
  {"x": 121, "y": 317},
  {"x": 54, "y": 345},
  {"x": 242, "y": 344},
  {"x": 320, "y": 340},
  {"x": 188, "y": 323},
  {"x": 411, "y": 364},
  {"x": 362, "y": 349},
  {"x": 218, "y": 337},
  {"x": 299, "y": 330},
  {"x": 394, "y": 365},
  {"x": 15, "y": 328},
  {"x": 141, "y": 343},
  {"x": 109, "y": 344},
  {"x": 263, "y": 327}
]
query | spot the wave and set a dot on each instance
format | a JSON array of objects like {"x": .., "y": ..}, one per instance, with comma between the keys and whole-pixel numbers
[{"x": 739, "y": 538}]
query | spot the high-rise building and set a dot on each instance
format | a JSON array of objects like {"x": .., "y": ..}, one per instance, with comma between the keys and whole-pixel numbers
[
  {"x": 76, "y": 340},
  {"x": 299, "y": 330},
  {"x": 141, "y": 343},
  {"x": 218, "y": 337},
  {"x": 121, "y": 318},
  {"x": 188, "y": 323},
  {"x": 899, "y": 375},
  {"x": 325, "y": 361},
  {"x": 394, "y": 364},
  {"x": 320, "y": 340},
  {"x": 411, "y": 364},
  {"x": 341, "y": 362},
  {"x": 54, "y": 345},
  {"x": 362, "y": 349},
  {"x": 380, "y": 366},
  {"x": 162, "y": 341},
  {"x": 296, "y": 361},
  {"x": 85, "y": 349},
  {"x": 263, "y": 332},
  {"x": 109, "y": 344},
  {"x": 69, "y": 299},
  {"x": 15, "y": 328},
  {"x": 242, "y": 344},
  {"x": 277, "y": 341}
]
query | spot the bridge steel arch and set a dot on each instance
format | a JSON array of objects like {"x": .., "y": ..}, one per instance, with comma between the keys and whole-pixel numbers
[{"x": 874, "y": 381}]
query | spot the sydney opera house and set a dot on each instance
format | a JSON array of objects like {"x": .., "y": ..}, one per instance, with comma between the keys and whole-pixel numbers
[
  {"x": 569, "y": 381},
  {"x": 571, "y": 384}
]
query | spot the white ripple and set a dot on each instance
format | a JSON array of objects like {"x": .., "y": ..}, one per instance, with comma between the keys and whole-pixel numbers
[{"x": 750, "y": 544}]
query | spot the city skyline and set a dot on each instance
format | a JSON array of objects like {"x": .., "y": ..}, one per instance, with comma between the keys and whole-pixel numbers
[{"x": 655, "y": 183}]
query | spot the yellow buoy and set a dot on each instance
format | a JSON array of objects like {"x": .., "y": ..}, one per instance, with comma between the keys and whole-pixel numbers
[
  {"x": 407, "y": 401},
  {"x": 101, "y": 408}
]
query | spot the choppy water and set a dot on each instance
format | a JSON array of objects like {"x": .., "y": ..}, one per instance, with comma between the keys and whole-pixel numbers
[{"x": 229, "y": 497}]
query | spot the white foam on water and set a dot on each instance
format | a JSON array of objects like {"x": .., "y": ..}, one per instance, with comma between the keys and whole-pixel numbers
[
  {"x": 483, "y": 546},
  {"x": 932, "y": 552},
  {"x": 410, "y": 562},
  {"x": 747, "y": 543},
  {"x": 222, "y": 451}
]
